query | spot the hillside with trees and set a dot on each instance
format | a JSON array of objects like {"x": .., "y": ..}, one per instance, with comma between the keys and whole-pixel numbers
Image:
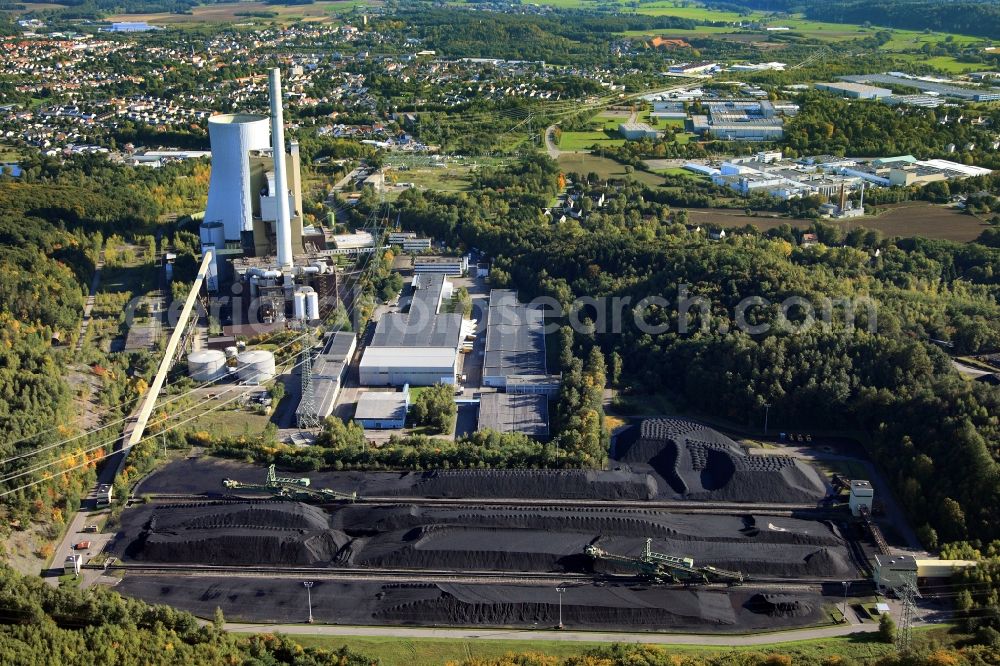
[
  {"x": 937, "y": 434},
  {"x": 70, "y": 627},
  {"x": 53, "y": 222}
]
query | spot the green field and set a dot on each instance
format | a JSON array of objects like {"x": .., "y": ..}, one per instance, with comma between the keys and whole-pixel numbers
[
  {"x": 229, "y": 13},
  {"x": 901, "y": 41},
  {"x": 584, "y": 140},
  {"x": 604, "y": 167},
  {"x": 436, "y": 652}
]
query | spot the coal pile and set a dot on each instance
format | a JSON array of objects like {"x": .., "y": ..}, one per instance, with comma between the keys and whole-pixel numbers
[
  {"x": 281, "y": 533},
  {"x": 637, "y": 607},
  {"x": 779, "y": 606},
  {"x": 546, "y": 539},
  {"x": 669, "y": 459},
  {"x": 697, "y": 462},
  {"x": 540, "y": 484}
]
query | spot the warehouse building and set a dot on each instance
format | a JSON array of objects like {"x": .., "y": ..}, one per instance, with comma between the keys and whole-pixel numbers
[
  {"x": 441, "y": 265},
  {"x": 328, "y": 373},
  {"x": 854, "y": 90},
  {"x": 409, "y": 241},
  {"x": 927, "y": 86},
  {"x": 515, "y": 346},
  {"x": 383, "y": 410},
  {"x": 419, "y": 347},
  {"x": 637, "y": 131},
  {"x": 507, "y": 412}
]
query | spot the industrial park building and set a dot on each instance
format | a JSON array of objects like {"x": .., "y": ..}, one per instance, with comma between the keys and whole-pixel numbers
[
  {"x": 420, "y": 347},
  {"x": 515, "y": 347},
  {"x": 383, "y": 410},
  {"x": 854, "y": 90},
  {"x": 409, "y": 241},
  {"x": 328, "y": 372},
  {"x": 441, "y": 265},
  {"x": 934, "y": 87},
  {"x": 637, "y": 131}
]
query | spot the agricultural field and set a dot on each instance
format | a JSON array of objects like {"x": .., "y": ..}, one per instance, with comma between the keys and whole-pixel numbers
[
  {"x": 236, "y": 11},
  {"x": 572, "y": 141},
  {"x": 902, "y": 40},
  {"x": 605, "y": 168},
  {"x": 9, "y": 153}
]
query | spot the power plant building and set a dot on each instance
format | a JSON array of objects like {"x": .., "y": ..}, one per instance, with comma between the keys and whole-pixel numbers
[{"x": 253, "y": 223}]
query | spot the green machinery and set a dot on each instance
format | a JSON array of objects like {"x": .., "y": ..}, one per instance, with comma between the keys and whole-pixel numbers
[
  {"x": 667, "y": 568},
  {"x": 290, "y": 488}
]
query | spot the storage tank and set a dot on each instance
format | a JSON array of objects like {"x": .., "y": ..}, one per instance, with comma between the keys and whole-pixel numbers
[
  {"x": 299, "y": 305},
  {"x": 207, "y": 365},
  {"x": 255, "y": 366},
  {"x": 312, "y": 305}
]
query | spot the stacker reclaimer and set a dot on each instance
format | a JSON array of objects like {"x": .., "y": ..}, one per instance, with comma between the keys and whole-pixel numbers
[
  {"x": 667, "y": 568},
  {"x": 290, "y": 488}
]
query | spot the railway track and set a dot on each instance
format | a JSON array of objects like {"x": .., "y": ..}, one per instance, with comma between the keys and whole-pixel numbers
[
  {"x": 351, "y": 574},
  {"x": 446, "y": 576},
  {"x": 683, "y": 506}
]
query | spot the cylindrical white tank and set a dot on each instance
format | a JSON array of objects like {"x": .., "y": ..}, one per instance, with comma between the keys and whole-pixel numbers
[
  {"x": 255, "y": 366},
  {"x": 312, "y": 305},
  {"x": 230, "y": 199},
  {"x": 207, "y": 365},
  {"x": 299, "y": 305}
]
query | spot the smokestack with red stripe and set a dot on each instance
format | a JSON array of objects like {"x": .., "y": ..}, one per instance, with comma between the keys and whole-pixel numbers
[{"x": 284, "y": 220}]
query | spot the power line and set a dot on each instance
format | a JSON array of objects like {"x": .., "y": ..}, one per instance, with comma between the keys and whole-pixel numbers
[{"x": 374, "y": 216}]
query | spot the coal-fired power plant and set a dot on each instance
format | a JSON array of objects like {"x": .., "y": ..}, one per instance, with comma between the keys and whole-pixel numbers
[{"x": 279, "y": 268}]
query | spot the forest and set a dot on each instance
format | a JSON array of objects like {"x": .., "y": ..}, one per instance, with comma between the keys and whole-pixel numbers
[
  {"x": 940, "y": 433},
  {"x": 40, "y": 624},
  {"x": 53, "y": 222},
  {"x": 963, "y": 17},
  {"x": 572, "y": 38}
]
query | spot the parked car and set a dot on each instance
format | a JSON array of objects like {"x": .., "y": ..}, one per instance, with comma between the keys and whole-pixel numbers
[
  {"x": 90, "y": 528},
  {"x": 83, "y": 545}
]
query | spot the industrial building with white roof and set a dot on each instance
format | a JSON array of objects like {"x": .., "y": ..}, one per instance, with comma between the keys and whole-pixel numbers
[{"x": 419, "y": 347}]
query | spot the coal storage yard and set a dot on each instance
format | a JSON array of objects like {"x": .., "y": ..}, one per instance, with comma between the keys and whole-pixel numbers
[
  {"x": 611, "y": 606},
  {"x": 493, "y": 552}
]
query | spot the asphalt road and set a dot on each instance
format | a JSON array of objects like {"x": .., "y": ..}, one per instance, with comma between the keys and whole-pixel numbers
[{"x": 555, "y": 635}]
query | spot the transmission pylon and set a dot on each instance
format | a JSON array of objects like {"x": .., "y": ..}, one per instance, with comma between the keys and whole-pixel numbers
[
  {"x": 306, "y": 412},
  {"x": 907, "y": 593}
]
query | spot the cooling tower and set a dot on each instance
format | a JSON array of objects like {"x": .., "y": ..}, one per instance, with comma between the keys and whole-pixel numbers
[{"x": 230, "y": 199}]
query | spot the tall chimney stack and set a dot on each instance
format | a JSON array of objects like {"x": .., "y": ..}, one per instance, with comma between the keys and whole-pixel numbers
[{"x": 284, "y": 222}]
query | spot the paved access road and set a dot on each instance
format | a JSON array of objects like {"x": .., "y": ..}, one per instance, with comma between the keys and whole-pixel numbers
[{"x": 554, "y": 635}]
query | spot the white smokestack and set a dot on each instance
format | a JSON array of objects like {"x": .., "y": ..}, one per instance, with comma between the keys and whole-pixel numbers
[{"x": 284, "y": 220}]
